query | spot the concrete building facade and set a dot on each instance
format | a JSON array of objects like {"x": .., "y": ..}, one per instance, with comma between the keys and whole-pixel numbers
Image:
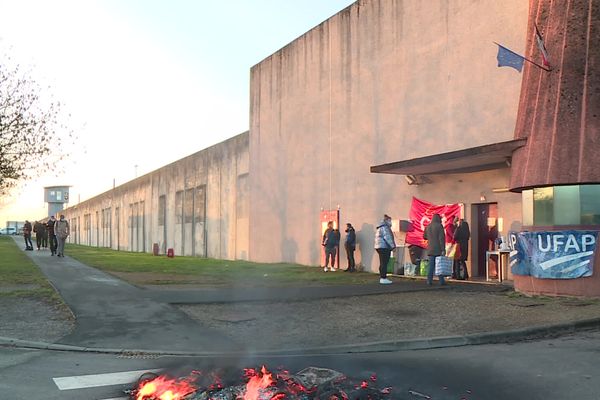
[
  {"x": 198, "y": 206},
  {"x": 381, "y": 81}
]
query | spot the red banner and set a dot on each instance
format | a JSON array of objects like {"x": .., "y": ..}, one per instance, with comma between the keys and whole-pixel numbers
[{"x": 420, "y": 215}]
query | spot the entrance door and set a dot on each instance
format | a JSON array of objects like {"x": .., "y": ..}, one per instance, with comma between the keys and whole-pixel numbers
[{"x": 485, "y": 219}]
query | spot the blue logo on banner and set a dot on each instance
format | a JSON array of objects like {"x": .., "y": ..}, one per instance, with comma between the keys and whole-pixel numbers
[{"x": 553, "y": 254}]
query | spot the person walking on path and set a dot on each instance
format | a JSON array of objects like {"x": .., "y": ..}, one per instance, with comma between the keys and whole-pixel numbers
[
  {"x": 462, "y": 236},
  {"x": 45, "y": 237},
  {"x": 436, "y": 245},
  {"x": 51, "y": 235},
  {"x": 384, "y": 244},
  {"x": 331, "y": 241},
  {"x": 61, "y": 230},
  {"x": 39, "y": 230},
  {"x": 350, "y": 246},
  {"x": 27, "y": 235}
]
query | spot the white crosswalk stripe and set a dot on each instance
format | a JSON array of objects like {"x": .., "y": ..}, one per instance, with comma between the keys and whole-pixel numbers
[{"x": 99, "y": 380}]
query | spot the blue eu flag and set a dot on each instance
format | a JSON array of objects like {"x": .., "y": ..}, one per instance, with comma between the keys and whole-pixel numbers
[{"x": 508, "y": 58}]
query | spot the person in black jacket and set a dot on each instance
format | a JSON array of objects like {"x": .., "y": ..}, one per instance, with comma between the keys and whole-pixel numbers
[
  {"x": 51, "y": 235},
  {"x": 462, "y": 234},
  {"x": 436, "y": 245},
  {"x": 350, "y": 245},
  {"x": 39, "y": 229}
]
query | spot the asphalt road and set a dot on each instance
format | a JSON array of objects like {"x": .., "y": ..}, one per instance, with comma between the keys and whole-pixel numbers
[{"x": 561, "y": 368}]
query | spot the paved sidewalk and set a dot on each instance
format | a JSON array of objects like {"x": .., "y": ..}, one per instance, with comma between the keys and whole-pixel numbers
[{"x": 111, "y": 313}]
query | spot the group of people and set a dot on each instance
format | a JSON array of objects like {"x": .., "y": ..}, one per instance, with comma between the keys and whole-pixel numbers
[
  {"x": 331, "y": 241},
  {"x": 54, "y": 232},
  {"x": 435, "y": 235}
]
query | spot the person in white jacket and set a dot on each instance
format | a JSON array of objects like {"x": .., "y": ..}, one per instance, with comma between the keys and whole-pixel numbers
[{"x": 384, "y": 244}]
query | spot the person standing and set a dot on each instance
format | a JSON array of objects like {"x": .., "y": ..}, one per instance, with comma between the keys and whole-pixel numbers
[
  {"x": 27, "y": 235},
  {"x": 350, "y": 246},
  {"x": 51, "y": 235},
  {"x": 45, "y": 237},
  {"x": 384, "y": 244},
  {"x": 61, "y": 230},
  {"x": 462, "y": 236},
  {"x": 331, "y": 241},
  {"x": 436, "y": 245},
  {"x": 39, "y": 230},
  {"x": 452, "y": 230}
]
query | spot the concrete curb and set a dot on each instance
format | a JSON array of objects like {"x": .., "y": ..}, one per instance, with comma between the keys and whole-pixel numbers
[{"x": 509, "y": 336}]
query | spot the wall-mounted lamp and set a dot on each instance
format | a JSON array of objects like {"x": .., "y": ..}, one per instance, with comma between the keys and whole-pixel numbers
[
  {"x": 482, "y": 197},
  {"x": 411, "y": 179}
]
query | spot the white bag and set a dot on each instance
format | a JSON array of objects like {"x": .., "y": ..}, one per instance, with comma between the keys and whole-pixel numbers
[{"x": 443, "y": 266}]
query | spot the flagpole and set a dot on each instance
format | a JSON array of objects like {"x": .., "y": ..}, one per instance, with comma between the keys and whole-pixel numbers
[{"x": 524, "y": 58}]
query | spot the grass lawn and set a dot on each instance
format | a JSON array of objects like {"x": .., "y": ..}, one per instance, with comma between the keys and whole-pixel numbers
[
  {"x": 19, "y": 276},
  {"x": 146, "y": 269}
]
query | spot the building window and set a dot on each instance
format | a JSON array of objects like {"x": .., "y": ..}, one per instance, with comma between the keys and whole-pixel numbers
[
  {"x": 179, "y": 207},
  {"x": 243, "y": 201},
  {"x": 188, "y": 206},
  {"x": 162, "y": 210},
  {"x": 200, "y": 204},
  {"x": 562, "y": 205},
  {"x": 130, "y": 219},
  {"x": 589, "y": 196},
  {"x": 543, "y": 205}
]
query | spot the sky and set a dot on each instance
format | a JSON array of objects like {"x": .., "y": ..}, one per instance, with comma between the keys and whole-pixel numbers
[{"x": 146, "y": 82}]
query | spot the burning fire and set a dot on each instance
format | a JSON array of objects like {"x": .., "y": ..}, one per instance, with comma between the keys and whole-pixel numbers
[
  {"x": 261, "y": 385},
  {"x": 257, "y": 382},
  {"x": 163, "y": 388}
]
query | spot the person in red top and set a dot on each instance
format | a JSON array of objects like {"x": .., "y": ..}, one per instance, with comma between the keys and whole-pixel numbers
[{"x": 27, "y": 235}]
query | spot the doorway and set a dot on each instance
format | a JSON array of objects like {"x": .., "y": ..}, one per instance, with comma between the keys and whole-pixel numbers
[{"x": 485, "y": 220}]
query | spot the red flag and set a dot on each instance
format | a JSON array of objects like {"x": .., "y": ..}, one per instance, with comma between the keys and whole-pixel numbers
[
  {"x": 540, "y": 44},
  {"x": 420, "y": 215}
]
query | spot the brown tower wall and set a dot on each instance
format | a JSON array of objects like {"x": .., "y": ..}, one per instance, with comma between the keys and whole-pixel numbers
[{"x": 559, "y": 111}]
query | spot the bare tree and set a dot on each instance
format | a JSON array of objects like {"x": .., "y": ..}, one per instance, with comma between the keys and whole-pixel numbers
[{"x": 31, "y": 128}]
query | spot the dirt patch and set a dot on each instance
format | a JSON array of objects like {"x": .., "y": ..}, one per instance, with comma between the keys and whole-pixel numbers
[
  {"x": 17, "y": 288},
  {"x": 34, "y": 319},
  {"x": 351, "y": 320}
]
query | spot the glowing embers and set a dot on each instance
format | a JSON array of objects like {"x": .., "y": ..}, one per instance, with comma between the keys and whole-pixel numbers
[{"x": 310, "y": 383}]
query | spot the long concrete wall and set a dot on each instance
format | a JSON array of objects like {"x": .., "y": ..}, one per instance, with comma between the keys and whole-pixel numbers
[
  {"x": 197, "y": 205},
  {"x": 381, "y": 81}
]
